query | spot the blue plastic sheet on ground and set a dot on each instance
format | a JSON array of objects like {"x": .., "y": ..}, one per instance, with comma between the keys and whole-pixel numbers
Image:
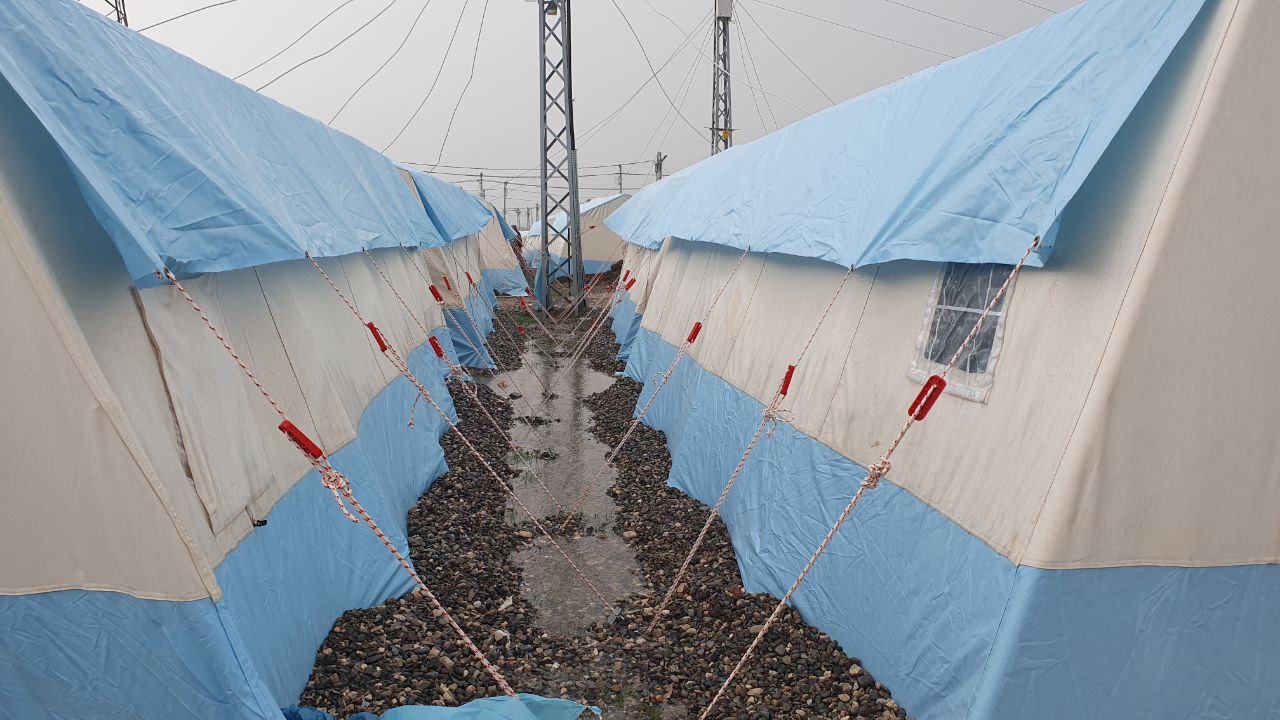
[
  {"x": 188, "y": 169},
  {"x": 293, "y": 712},
  {"x": 966, "y": 162},
  {"x": 455, "y": 212},
  {"x": 525, "y": 707}
]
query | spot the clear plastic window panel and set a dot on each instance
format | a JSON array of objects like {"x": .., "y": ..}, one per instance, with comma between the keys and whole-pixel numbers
[{"x": 964, "y": 292}]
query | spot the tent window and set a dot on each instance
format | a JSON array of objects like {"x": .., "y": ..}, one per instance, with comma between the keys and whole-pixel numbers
[{"x": 956, "y": 301}]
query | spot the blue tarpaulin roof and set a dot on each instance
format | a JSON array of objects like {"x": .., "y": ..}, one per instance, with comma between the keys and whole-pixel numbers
[
  {"x": 188, "y": 169},
  {"x": 967, "y": 161},
  {"x": 455, "y": 212},
  {"x": 560, "y": 221}
]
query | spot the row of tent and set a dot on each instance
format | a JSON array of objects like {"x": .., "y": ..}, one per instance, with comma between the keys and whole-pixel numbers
[
  {"x": 1087, "y": 524},
  {"x": 170, "y": 554}
]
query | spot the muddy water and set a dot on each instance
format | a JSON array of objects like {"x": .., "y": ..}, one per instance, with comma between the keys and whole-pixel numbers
[{"x": 559, "y": 447}]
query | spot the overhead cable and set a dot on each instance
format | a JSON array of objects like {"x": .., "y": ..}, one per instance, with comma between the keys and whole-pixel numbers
[
  {"x": 714, "y": 64},
  {"x": 601, "y": 124},
  {"x": 384, "y": 64},
  {"x": 859, "y": 30},
  {"x": 784, "y": 54},
  {"x": 954, "y": 21},
  {"x": 515, "y": 169},
  {"x": 296, "y": 40},
  {"x": 439, "y": 69},
  {"x": 682, "y": 92},
  {"x": 751, "y": 66},
  {"x": 653, "y": 71},
  {"x": 331, "y": 48},
  {"x": 1038, "y": 7},
  {"x": 186, "y": 14}
]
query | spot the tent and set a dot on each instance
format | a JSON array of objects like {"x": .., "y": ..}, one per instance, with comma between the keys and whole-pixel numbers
[
  {"x": 601, "y": 246},
  {"x": 172, "y": 554},
  {"x": 501, "y": 264},
  {"x": 1085, "y": 525}
]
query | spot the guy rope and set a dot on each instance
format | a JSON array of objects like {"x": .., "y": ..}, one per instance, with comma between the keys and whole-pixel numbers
[
  {"x": 916, "y": 412},
  {"x": 392, "y": 355},
  {"x": 768, "y": 416},
  {"x": 338, "y": 484},
  {"x": 691, "y": 338}
]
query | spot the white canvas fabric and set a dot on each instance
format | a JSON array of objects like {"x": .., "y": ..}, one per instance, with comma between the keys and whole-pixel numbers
[
  {"x": 1127, "y": 393},
  {"x": 495, "y": 250},
  {"x": 142, "y": 455},
  {"x": 599, "y": 242}
]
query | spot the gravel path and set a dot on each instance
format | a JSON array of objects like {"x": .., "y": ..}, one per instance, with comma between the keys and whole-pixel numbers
[{"x": 465, "y": 540}]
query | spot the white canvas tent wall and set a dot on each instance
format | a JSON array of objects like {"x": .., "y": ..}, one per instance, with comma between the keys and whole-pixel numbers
[
  {"x": 499, "y": 260},
  {"x": 172, "y": 555},
  {"x": 601, "y": 246},
  {"x": 1110, "y": 507}
]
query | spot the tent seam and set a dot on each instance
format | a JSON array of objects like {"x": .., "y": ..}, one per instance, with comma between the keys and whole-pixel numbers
[
  {"x": 1164, "y": 196},
  {"x": 91, "y": 374}
]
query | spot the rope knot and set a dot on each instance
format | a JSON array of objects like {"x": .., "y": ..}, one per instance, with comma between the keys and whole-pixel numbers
[
  {"x": 333, "y": 479},
  {"x": 878, "y": 470},
  {"x": 773, "y": 415}
]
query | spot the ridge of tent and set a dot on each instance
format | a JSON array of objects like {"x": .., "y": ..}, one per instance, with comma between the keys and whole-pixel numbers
[{"x": 894, "y": 175}]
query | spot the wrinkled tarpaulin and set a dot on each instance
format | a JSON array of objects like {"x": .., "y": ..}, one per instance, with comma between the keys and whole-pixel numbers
[
  {"x": 964, "y": 162},
  {"x": 188, "y": 169}
]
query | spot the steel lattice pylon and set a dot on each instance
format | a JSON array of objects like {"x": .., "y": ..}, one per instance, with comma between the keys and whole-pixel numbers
[
  {"x": 121, "y": 16},
  {"x": 721, "y": 94},
  {"x": 559, "y": 151}
]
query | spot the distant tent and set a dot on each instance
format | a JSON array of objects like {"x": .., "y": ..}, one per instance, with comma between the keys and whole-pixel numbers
[
  {"x": 501, "y": 264},
  {"x": 1090, "y": 512},
  {"x": 601, "y": 246},
  {"x": 182, "y": 560}
]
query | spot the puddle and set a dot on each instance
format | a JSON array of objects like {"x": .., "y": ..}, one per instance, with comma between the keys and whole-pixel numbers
[{"x": 562, "y": 451}]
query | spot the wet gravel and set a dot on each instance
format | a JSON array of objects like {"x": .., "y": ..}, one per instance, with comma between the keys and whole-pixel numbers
[{"x": 463, "y": 540}]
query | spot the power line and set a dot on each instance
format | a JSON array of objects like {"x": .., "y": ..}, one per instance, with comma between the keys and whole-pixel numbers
[
  {"x": 455, "y": 173},
  {"x": 609, "y": 118},
  {"x": 296, "y": 40},
  {"x": 470, "y": 76},
  {"x": 784, "y": 54},
  {"x": 714, "y": 64},
  {"x": 749, "y": 65},
  {"x": 653, "y": 71},
  {"x": 859, "y": 30},
  {"x": 590, "y": 131},
  {"x": 384, "y": 64},
  {"x": 185, "y": 14},
  {"x": 948, "y": 19},
  {"x": 516, "y": 169},
  {"x": 333, "y": 47},
  {"x": 439, "y": 70},
  {"x": 682, "y": 92},
  {"x": 1039, "y": 7}
]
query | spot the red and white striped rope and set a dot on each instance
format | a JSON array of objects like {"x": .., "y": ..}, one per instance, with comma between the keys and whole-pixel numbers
[
  {"x": 398, "y": 362},
  {"x": 594, "y": 279},
  {"x": 404, "y": 369},
  {"x": 340, "y": 486},
  {"x": 666, "y": 377},
  {"x": 767, "y": 416},
  {"x": 877, "y": 471}
]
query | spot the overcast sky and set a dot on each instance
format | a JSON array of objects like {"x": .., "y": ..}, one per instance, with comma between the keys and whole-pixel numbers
[{"x": 799, "y": 52}]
